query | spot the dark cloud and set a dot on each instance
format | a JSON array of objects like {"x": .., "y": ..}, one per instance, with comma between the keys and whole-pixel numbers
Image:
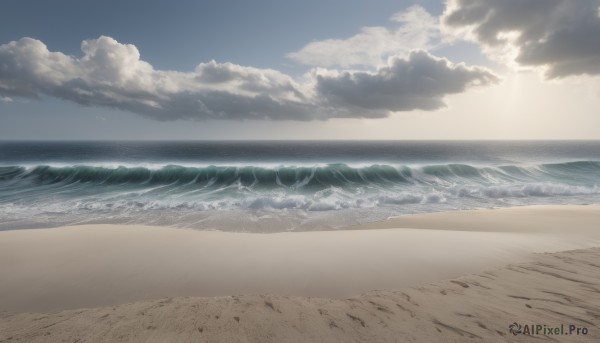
[
  {"x": 418, "y": 82},
  {"x": 111, "y": 74},
  {"x": 562, "y": 35}
]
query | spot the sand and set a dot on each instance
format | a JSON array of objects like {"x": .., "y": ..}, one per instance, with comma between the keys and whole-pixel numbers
[
  {"x": 568, "y": 220},
  {"x": 314, "y": 280},
  {"x": 554, "y": 289}
]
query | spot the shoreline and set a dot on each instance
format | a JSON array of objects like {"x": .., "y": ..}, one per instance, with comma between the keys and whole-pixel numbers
[
  {"x": 462, "y": 275},
  {"x": 101, "y": 265},
  {"x": 480, "y": 220}
]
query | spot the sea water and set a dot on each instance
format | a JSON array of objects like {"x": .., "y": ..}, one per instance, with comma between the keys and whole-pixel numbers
[{"x": 283, "y": 185}]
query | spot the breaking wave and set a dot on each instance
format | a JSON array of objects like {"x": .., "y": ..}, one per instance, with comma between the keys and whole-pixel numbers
[
  {"x": 336, "y": 175},
  {"x": 135, "y": 193}
]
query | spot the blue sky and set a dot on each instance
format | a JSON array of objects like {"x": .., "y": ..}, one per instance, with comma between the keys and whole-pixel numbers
[
  {"x": 180, "y": 34},
  {"x": 323, "y": 70}
]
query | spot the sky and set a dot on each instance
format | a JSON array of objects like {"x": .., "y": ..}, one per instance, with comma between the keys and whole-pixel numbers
[{"x": 327, "y": 69}]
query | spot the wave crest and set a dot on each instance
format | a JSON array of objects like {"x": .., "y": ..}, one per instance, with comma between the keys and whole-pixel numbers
[{"x": 316, "y": 177}]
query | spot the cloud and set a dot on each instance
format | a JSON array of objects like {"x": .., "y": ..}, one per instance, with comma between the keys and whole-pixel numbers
[
  {"x": 563, "y": 36},
  {"x": 417, "y": 82},
  {"x": 111, "y": 74},
  {"x": 417, "y": 30},
  {"x": 5, "y": 99}
]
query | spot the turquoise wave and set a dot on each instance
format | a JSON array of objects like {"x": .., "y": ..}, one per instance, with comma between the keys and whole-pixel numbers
[{"x": 308, "y": 177}]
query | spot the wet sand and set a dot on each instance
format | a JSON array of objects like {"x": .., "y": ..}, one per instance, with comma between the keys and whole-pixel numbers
[{"x": 307, "y": 286}]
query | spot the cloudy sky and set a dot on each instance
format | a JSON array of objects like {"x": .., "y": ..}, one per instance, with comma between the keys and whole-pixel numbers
[{"x": 271, "y": 69}]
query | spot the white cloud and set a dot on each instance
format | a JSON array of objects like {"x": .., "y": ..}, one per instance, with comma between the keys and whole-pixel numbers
[
  {"x": 373, "y": 45},
  {"x": 562, "y": 36},
  {"x": 5, "y": 99},
  {"x": 111, "y": 74}
]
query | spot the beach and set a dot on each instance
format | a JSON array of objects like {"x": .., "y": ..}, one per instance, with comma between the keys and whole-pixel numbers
[
  {"x": 459, "y": 275},
  {"x": 300, "y": 171}
]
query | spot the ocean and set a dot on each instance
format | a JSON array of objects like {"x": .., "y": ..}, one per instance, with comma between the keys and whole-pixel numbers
[{"x": 268, "y": 186}]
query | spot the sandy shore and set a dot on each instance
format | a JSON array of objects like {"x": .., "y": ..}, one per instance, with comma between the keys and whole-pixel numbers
[
  {"x": 553, "y": 290},
  {"x": 50, "y": 270}
]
